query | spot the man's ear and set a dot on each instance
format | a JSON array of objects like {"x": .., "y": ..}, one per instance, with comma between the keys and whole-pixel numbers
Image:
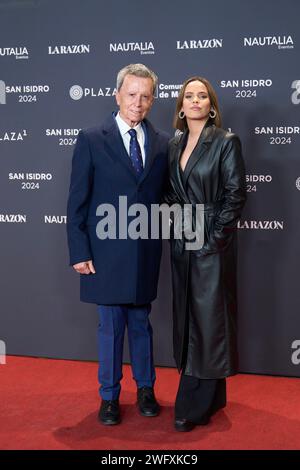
[{"x": 118, "y": 98}]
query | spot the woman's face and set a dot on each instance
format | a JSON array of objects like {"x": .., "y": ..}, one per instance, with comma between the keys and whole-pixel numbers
[{"x": 196, "y": 103}]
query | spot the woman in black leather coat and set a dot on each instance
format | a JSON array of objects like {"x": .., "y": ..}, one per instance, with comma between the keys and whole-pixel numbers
[{"x": 206, "y": 167}]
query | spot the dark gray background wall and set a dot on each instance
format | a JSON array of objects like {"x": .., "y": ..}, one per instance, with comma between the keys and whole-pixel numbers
[{"x": 40, "y": 310}]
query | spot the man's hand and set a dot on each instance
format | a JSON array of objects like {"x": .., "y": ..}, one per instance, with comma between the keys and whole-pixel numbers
[{"x": 86, "y": 267}]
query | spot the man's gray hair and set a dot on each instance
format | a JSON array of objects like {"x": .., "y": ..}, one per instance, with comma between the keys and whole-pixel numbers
[{"x": 139, "y": 70}]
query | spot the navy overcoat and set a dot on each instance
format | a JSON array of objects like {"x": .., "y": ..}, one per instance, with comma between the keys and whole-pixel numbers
[{"x": 126, "y": 269}]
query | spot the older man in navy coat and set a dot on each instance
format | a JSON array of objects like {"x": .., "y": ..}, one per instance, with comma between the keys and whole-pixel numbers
[{"x": 127, "y": 157}]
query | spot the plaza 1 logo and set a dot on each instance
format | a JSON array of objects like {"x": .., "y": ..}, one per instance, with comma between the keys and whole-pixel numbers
[
  {"x": 246, "y": 88},
  {"x": 77, "y": 92},
  {"x": 13, "y": 136},
  {"x": 296, "y": 94},
  {"x": 278, "y": 135},
  {"x": 25, "y": 93},
  {"x": 298, "y": 183},
  {"x": 65, "y": 136}
]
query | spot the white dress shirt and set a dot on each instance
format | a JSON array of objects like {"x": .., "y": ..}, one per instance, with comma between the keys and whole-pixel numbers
[{"x": 124, "y": 128}]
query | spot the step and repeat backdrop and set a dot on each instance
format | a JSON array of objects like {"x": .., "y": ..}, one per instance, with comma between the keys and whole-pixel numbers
[{"x": 58, "y": 64}]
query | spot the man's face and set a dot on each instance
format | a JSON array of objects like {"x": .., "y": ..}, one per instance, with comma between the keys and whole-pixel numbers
[{"x": 135, "y": 99}]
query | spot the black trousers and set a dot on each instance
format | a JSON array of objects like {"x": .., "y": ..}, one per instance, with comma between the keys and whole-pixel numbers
[{"x": 198, "y": 399}]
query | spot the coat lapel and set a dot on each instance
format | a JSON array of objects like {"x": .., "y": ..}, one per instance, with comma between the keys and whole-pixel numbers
[
  {"x": 201, "y": 148},
  {"x": 177, "y": 181},
  {"x": 115, "y": 146},
  {"x": 150, "y": 147}
]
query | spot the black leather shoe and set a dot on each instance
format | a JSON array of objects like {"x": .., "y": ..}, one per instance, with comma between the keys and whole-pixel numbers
[
  {"x": 109, "y": 413},
  {"x": 183, "y": 425},
  {"x": 146, "y": 402}
]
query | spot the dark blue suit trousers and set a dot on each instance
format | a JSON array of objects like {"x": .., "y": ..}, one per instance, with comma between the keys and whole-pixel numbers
[{"x": 113, "y": 320}]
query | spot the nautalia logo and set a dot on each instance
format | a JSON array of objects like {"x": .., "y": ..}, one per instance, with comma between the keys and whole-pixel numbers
[
  {"x": 17, "y": 52},
  {"x": 141, "y": 47},
  {"x": 282, "y": 42}
]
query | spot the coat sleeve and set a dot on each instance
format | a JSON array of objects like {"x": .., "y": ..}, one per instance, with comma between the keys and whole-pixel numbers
[
  {"x": 78, "y": 201},
  {"x": 234, "y": 191},
  {"x": 169, "y": 196}
]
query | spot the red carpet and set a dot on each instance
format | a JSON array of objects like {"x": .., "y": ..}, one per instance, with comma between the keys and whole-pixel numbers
[{"x": 53, "y": 404}]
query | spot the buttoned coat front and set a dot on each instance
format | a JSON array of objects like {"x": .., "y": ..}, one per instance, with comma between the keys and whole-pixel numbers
[{"x": 127, "y": 269}]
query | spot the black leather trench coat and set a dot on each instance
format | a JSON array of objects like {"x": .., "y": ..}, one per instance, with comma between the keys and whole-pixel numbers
[{"x": 204, "y": 280}]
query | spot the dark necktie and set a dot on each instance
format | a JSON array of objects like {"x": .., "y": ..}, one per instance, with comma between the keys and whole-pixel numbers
[{"x": 135, "y": 152}]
